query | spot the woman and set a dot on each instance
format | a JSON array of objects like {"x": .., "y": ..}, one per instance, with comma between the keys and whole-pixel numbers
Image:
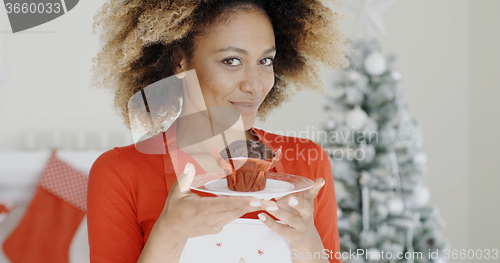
[{"x": 246, "y": 54}]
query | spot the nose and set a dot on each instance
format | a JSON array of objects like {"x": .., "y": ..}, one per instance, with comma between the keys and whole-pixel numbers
[{"x": 251, "y": 81}]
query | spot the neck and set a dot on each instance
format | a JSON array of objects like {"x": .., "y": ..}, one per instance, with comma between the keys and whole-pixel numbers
[
  {"x": 192, "y": 129},
  {"x": 195, "y": 132}
]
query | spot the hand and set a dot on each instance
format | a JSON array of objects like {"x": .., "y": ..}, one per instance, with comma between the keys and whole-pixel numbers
[
  {"x": 296, "y": 211},
  {"x": 186, "y": 214}
]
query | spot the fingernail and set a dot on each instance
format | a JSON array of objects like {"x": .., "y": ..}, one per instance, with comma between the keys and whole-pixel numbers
[
  {"x": 186, "y": 168},
  {"x": 293, "y": 201},
  {"x": 255, "y": 203},
  {"x": 272, "y": 208},
  {"x": 262, "y": 217},
  {"x": 323, "y": 183}
]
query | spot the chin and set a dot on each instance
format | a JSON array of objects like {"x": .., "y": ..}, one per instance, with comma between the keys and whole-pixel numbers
[{"x": 248, "y": 122}]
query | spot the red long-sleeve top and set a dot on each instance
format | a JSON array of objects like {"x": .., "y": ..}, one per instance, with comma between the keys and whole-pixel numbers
[{"x": 127, "y": 191}]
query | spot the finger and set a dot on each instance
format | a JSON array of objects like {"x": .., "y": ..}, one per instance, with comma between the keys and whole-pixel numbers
[
  {"x": 225, "y": 217},
  {"x": 228, "y": 203},
  {"x": 309, "y": 195},
  {"x": 281, "y": 197},
  {"x": 283, "y": 204},
  {"x": 313, "y": 191},
  {"x": 187, "y": 177},
  {"x": 184, "y": 180},
  {"x": 280, "y": 229},
  {"x": 294, "y": 221},
  {"x": 300, "y": 206}
]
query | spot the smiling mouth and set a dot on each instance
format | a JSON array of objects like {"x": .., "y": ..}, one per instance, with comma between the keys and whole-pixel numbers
[{"x": 246, "y": 107}]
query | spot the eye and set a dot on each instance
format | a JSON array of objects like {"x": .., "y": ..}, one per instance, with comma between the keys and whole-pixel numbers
[
  {"x": 267, "y": 61},
  {"x": 232, "y": 61}
]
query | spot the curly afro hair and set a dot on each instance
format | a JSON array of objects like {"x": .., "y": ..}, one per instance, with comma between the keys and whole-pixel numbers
[{"x": 142, "y": 42}]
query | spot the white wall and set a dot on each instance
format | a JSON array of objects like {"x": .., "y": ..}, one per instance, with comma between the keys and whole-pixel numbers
[
  {"x": 48, "y": 79},
  {"x": 48, "y": 88},
  {"x": 485, "y": 125},
  {"x": 432, "y": 39}
]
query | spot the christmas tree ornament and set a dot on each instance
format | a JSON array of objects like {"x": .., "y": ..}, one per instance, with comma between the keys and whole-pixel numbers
[
  {"x": 330, "y": 125},
  {"x": 354, "y": 218},
  {"x": 361, "y": 180},
  {"x": 396, "y": 75},
  {"x": 382, "y": 212},
  {"x": 353, "y": 75},
  {"x": 421, "y": 196},
  {"x": 356, "y": 118},
  {"x": 395, "y": 206},
  {"x": 375, "y": 64},
  {"x": 420, "y": 158}
]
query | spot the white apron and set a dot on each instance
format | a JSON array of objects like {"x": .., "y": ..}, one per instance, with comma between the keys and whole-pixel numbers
[{"x": 242, "y": 240}]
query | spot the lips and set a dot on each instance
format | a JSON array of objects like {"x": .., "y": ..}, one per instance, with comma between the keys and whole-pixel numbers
[{"x": 246, "y": 107}]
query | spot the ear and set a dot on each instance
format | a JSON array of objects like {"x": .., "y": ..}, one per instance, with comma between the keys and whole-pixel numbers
[{"x": 182, "y": 65}]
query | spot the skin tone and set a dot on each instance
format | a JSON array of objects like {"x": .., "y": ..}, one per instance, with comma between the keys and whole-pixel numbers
[{"x": 233, "y": 63}]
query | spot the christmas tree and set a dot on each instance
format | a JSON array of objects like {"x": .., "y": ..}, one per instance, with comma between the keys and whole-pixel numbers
[
  {"x": 377, "y": 163},
  {"x": 376, "y": 156}
]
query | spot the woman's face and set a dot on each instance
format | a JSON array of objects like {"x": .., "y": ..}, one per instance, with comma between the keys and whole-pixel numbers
[{"x": 233, "y": 61}]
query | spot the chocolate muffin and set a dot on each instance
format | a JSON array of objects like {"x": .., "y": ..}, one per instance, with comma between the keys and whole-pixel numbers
[{"x": 253, "y": 161}]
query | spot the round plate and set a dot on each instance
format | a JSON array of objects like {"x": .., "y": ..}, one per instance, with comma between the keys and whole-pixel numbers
[{"x": 277, "y": 185}]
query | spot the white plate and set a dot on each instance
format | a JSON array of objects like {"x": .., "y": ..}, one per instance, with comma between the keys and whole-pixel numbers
[{"x": 277, "y": 185}]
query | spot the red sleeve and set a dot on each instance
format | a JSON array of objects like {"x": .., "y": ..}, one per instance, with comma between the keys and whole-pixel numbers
[
  {"x": 325, "y": 208},
  {"x": 113, "y": 232}
]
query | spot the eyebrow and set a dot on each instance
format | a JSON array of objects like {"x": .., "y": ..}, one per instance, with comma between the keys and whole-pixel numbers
[{"x": 242, "y": 51}]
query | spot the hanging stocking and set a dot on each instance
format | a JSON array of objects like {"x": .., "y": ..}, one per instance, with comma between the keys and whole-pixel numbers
[{"x": 52, "y": 218}]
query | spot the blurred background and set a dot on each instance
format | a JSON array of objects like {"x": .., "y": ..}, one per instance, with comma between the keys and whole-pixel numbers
[{"x": 448, "y": 54}]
